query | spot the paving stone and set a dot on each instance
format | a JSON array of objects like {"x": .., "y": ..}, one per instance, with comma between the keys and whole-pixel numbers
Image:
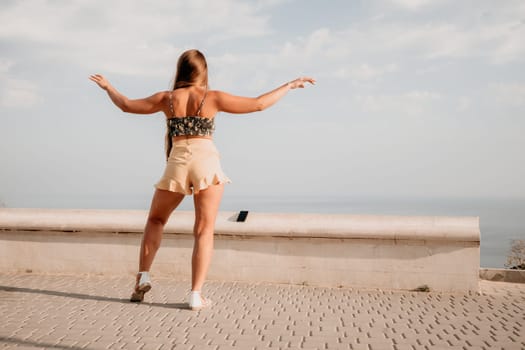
[
  {"x": 92, "y": 312},
  {"x": 360, "y": 347},
  {"x": 105, "y": 344},
  {"x": 153, "y": 346}
]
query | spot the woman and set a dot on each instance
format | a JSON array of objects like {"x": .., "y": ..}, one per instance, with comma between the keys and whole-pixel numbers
[{"x": 193, "y": 165}]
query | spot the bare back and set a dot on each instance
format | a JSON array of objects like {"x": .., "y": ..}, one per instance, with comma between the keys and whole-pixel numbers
[{"x": 190, "y": 101}]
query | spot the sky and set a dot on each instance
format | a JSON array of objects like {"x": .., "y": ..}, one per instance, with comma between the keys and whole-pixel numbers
[{"x": 414, "y": 98}]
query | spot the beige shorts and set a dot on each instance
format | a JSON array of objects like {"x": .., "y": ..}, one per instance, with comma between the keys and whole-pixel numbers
[{"x": 193, "y": 165}]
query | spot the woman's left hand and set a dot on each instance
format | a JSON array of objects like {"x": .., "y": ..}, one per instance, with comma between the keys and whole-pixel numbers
[
  {"x": 100, "y": 80},
  {"x": 300, "y": 82}
]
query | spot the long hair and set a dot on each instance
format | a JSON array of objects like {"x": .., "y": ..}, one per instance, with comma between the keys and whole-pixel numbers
[{"x": 192, "y": 69}]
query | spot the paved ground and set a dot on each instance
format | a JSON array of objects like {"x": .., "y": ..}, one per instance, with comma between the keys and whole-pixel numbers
[{"x": 92, "y": 312}]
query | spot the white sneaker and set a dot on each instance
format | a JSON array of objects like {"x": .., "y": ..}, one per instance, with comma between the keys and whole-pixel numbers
[
  {"x": 197, "y": 302},
  {"x": 143, "y": 286}
]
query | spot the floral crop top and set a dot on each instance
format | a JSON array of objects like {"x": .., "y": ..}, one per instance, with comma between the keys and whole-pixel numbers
[
  {"x": 187, "y": 126},
  {"x": 190, "y": 125}
]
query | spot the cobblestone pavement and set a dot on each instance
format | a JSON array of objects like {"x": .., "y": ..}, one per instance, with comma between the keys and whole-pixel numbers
[{"x": 93, "y": 312}]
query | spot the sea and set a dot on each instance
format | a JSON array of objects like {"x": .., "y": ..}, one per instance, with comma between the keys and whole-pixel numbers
[{"x": 502, "y": 220}]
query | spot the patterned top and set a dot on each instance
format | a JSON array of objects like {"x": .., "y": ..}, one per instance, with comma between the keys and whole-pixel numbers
[
  {"x": 191, "y": 126},
  {"x": 187, "y": 126}
]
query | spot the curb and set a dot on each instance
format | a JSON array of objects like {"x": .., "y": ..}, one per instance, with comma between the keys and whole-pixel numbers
[{"x": 502, "y": 275}]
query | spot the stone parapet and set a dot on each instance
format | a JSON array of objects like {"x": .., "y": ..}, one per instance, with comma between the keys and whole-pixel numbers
[
  {"x": 365, "y": 251},
  {"x": 502, "y": 275}
]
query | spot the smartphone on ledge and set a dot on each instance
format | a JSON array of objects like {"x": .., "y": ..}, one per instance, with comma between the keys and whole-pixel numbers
[{"x": 242, "y": 216}]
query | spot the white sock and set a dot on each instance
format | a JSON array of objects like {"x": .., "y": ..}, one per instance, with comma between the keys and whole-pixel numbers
[
  {"x": 195, "y": 297},
  {"x": 144, "y": 277}
]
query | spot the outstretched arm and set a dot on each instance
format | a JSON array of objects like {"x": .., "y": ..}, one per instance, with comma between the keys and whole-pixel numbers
[
  {"x": 146, "y": 105},
  {"x": 237, "y": 104}
]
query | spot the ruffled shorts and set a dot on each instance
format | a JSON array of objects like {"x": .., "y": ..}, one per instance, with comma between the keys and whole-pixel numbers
[{"x": 193, "y": 165}]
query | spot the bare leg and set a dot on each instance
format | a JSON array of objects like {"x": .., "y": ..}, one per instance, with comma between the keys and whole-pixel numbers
[
  {"x": 162, "y": 205},
  {"x": 206, "y": 207}
]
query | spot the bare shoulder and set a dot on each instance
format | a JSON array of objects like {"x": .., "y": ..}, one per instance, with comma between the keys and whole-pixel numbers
[
  {"x": 160, "y": 96},
  {"x": 213, "y": 93},
  {"x": 214, "y": 96},
  {"x": 226, "y": 102},
  {"x": 162, "y": 100},
  {"x": 218, "y": 95}
]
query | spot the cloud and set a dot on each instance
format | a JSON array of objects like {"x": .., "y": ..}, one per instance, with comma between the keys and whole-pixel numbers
[
  {"x": 496, "y": 42},
  {"x": 464, "y": 103},
  {"x": 365, "y": 71},
  {"x": 414, "y": 4},
  {"x": 369, "y": 49},
  {"x": 133, "y": 39},
  {"x": 265, "y": 4},
  {"x": 126, "y": 37},
  {"x": 509, "y": 94},
  {"x": 18, "y": 93},
  {"x": 317, "y": 44},
  {"x": 5, "y": 65},
  {"x": 317, "y": 53},
  {"x": 437, "y": 40},
  {"x": 487, "y": 31},
  {"x": 411, "y": 103},
  {"x": 322, "y": 53},
  {"x": 130, "y": 21}
]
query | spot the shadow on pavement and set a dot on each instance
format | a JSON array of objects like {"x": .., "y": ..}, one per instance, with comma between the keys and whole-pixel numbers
[
  {"x": 38, "y": 345},
  {"x": 182, "y": 306}
]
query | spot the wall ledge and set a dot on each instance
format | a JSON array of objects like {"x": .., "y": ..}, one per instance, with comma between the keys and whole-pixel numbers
[
  {"x": 361, "y": 251},
  {"x": 502, "y": 275},
  {"x": 335, "y": 226}
]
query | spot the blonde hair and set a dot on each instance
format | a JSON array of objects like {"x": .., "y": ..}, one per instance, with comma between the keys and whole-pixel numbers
[{"x": 192, "y": 69}]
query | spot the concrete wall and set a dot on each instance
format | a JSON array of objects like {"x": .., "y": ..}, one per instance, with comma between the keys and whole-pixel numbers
[
  {"x": 388, "y": 252},
  {"x": 502, "y": 275}
]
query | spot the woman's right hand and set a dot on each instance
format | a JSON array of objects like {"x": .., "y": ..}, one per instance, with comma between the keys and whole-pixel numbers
[
  {"x": 100, "y": 80},
  {"x": 299, "y": 82}
]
